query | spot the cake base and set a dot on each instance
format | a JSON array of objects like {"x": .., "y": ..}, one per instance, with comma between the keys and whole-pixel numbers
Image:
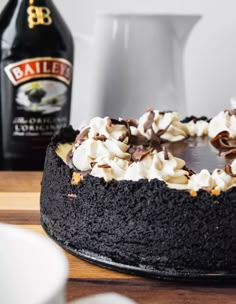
[
  {"x": 183, "y": 275},
  {"x": 140, "y": 227}
]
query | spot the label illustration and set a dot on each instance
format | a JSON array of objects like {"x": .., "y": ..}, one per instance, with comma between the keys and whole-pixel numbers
[
  {"x": 44, "y": 96},
  {"x": 24, "y": 70}
]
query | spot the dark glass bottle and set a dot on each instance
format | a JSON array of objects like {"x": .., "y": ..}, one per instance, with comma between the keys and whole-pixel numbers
[{"x": 36, "y": 60}]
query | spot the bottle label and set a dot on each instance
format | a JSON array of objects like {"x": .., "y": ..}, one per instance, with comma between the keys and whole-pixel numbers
[
  {"x": 40, "y": 101},
  {"x": 24, "y": 70}
]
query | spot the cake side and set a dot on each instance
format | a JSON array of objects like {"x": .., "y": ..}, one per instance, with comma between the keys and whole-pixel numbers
[{"x": 139, "y": 222}]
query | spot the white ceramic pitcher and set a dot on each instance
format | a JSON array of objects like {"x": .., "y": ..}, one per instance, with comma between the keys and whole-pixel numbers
[{"x": 132, "y": 62}]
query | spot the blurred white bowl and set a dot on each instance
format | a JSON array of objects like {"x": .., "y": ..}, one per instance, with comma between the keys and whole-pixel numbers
[
  {"x": 105, "y": 298},
  {"x": 33, "y": 269}
]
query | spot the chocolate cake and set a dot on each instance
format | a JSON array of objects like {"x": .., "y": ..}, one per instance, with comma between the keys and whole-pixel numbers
[{"x": 142, "y": 209}]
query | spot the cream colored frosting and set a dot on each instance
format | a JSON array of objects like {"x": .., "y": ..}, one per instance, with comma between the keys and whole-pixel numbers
[
  {"x": 176, "y": 130},
  {"x": 222, "y": 122},
  {"x": 91, "y": 151},
  {"x": 233, "y": 167},
  {"x": 115, "y": 169},
  {"x": 103, "y": 126},
  {"x": 198, "y": 128},
  {"x": 153, "y": 165},
  {"x": 219, "y": 180},
  {"x": 109, "y": 158},
  {"x": 222, "y": 180},
  {"x": 201, "y": 180}
]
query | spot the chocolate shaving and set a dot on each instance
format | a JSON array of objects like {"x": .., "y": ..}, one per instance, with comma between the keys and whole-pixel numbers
[
  {"x": 132, "y": 122},
  {"x": 191, "y": 172},
  {"x": 109, "y": 122},
  {"x": 228, "y": 170},
  {"x": 121, "y": 122},
  {"x": 123, "y": 137},
  {"x": 148, "y": 124},
  {"x": 224, "y": 143},
  {"x": 104, "y": 166},
  {"x": 118, "y": 122},
  {"x": 166, "y": 156},
  {"x": 139, "y": 153},
  {"x": 100, "y": 137},
  {"x": 156, "y": 141},
  {"x": 218, "y": 139},
  {"x": 231, "y": 112},
  {"x": 92, "y": 164},
  {"x": 229, "y": 153},
  {"x": 138, "y": 140},
  {"x": 165, "y": 112},
  {"x": 82, "y": 135}
]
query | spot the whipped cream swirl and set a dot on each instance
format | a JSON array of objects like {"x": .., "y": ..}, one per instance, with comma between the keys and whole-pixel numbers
[
  {"x": 105, "y": 148},
  {"x": 110, "y": 169},
  {"x": 91, "y": 151},
  {"x": 169, "y": 121},
  {"x": 161, "y": 165},
  {"x": 197, "y": 128},
  {"x": 224, "y": 121},
  {"x": 218, "y": 180},
  {"x": 104, "y": 127}
]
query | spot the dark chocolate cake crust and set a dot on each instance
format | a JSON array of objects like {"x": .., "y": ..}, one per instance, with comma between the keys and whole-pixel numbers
[{"x": 138, "y": 223}]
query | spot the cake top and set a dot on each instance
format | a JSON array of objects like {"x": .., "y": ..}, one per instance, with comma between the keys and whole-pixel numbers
[{"x": 134, "y": 149}]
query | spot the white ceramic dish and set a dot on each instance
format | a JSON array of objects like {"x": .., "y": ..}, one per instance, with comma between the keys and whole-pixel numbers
[
  {"x": 106, "y": 298},
  {"x": 33, "y": 269}
]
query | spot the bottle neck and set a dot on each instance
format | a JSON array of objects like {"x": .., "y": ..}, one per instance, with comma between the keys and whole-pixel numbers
[{"x": 22, "y": 16}]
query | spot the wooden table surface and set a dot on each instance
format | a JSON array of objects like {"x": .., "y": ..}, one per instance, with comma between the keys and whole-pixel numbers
[{"x": 19, "y": 205}]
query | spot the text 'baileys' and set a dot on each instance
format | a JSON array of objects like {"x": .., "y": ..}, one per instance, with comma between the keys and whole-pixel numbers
[{"x": 36, "y": 66}]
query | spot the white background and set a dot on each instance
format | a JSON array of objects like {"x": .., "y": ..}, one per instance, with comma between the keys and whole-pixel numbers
[{"x": 210, "y": 56}]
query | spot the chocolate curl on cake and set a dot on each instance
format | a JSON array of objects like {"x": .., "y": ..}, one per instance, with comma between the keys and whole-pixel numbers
[
  {"x": 133, "y": 140},
  {"x": 138, "y": 153},
  {"x": 112, "y": 121},
  {"x": 190, "y": 172},
  {"x": 82, "y": 136},
  {"x": 166, "y": 155},
  {"x": 138, "y": 140},
  {"x": 100, "y": 137},
  {"x": 104, "y": 166},
  {"x": 132, "y": 122},
  {"x": 228, "y": 170},
  {"x": 155, "y": 141},
  {"x": 150, "y": 119},
  {"x": 224, "y": 143},
  {"x": 231, "y": 112}
]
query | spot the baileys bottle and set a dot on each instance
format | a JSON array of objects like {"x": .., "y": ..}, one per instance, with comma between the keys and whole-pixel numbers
[{"x": 36, "y": 61}]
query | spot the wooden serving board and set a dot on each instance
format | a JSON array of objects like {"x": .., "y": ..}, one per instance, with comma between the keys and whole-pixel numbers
[{"x": 19, "y": 205}]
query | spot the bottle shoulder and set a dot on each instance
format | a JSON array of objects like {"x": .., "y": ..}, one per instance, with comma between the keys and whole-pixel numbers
[{"x": 17, "y": 36}]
